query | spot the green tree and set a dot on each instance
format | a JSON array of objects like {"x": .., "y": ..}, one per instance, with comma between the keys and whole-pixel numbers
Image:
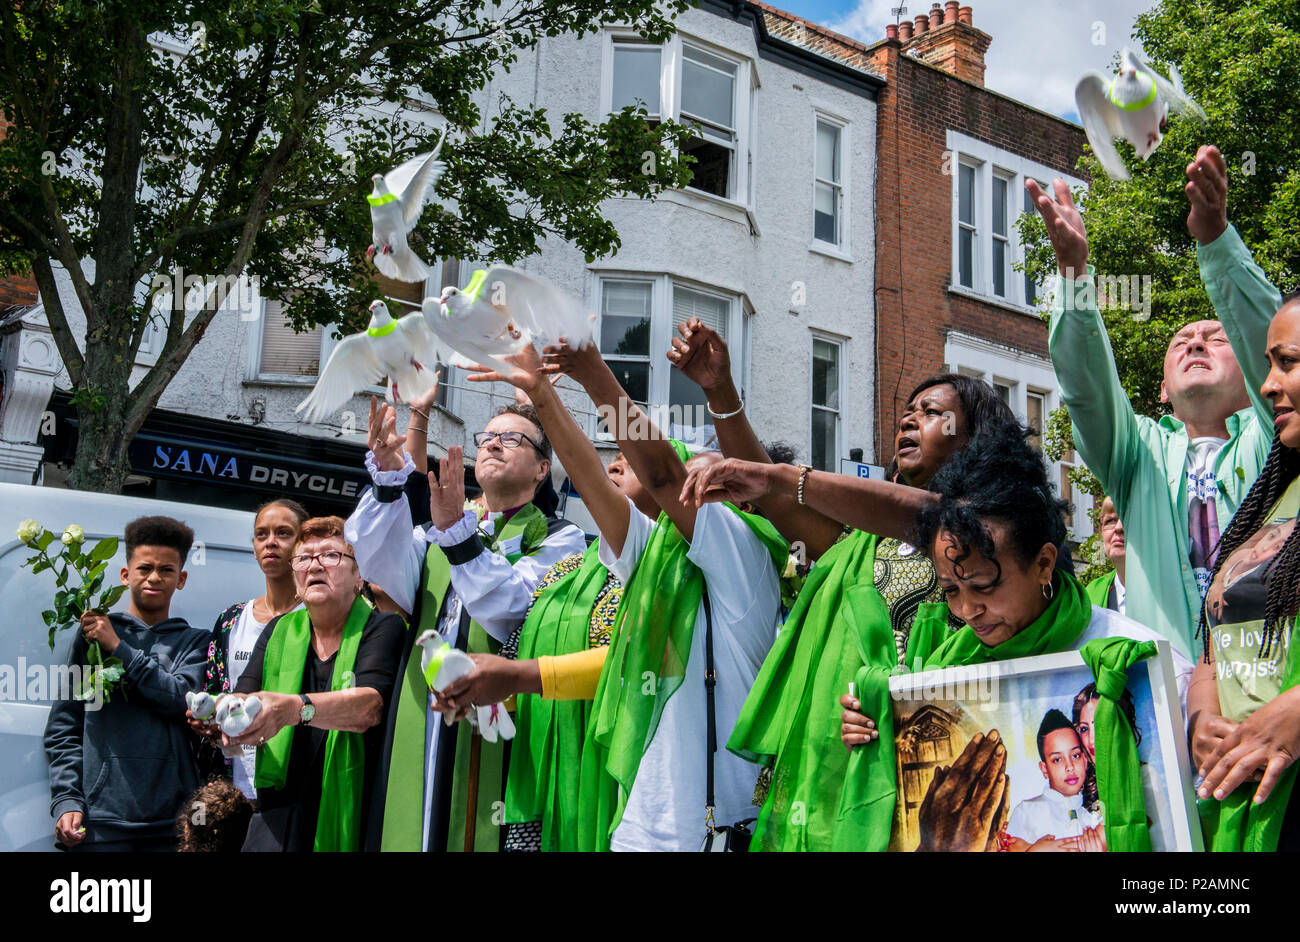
[
  {"x": 219, "y": 139},
  {"x": 1240, "y": 60}
]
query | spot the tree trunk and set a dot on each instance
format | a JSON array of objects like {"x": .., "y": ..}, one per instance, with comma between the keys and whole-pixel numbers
[{"x": 105, "y": 429}]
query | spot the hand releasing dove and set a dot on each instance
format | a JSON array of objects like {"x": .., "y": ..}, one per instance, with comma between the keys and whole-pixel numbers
[
  {"x": 397, "y": 349},
  {"x": 1134, "y": 104},
  {"x": 441, "y": 664},
  {"x": 501, "y": 311},
  {"x": 395, "y": 206}
]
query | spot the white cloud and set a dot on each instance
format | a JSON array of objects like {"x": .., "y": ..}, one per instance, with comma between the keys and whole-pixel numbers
[{"x": 1035, "y": 57}]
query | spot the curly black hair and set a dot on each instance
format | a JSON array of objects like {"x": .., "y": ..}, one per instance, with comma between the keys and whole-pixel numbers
[
  {"x": 158, "y": 531},
  {"x": 214, "y": 819},
  {"x": 982, "y": 408},
  {"x": 780, "y": 452},
  {"x": 1283, "y": 579},
  {"x": 998, "y": 476}
]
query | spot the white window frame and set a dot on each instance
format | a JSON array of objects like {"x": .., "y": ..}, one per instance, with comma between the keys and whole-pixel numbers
[
  {"x": 839, "y": 344},
  {"x": 988, "y": 160},
  {"x": 1022, "y": 372},
  {"x": 670, "y": 100},
  {"x": 843, "y": 248},
  {"x": 973, "y": 226},
  {"x": 663, "y": 328}
]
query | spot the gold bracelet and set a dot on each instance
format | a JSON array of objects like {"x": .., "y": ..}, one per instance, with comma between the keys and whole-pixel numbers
[{"x": 803, "y": 477}]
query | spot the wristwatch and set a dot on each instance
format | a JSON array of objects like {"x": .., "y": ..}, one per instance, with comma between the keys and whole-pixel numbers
[{"x": 308, "y": 710}]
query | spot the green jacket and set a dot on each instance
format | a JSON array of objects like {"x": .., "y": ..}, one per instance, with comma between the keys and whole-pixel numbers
[{"x": 1140, "y": 461}]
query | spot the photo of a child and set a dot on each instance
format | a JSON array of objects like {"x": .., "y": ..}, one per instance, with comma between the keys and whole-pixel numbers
[{"x": 1057, "y": 819}]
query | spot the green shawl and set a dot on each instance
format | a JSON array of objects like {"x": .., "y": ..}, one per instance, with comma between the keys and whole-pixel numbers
[
  {"x": 545, "y": 756},
  {"x": 1237, "y": 823},
  {"x": 646, "y": 664},
  {"x": 1099, "y": 589},
  {"x": 866, "y": 813},
  {"x": 404, "y": 798},
  {"x": 338, "y": 823},
  {"x": 838, "y": 623}
]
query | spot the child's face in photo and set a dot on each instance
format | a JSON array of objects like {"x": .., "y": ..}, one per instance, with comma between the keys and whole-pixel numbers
[
  {"x": 153, "y": 574},
  {"x": 1084, "y": 726},
  {"x": 1064, "y": 764}
]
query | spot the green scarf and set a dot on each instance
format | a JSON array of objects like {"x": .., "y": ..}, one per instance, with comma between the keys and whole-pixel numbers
[
  {"x": 791, "y": 716},
  {"x": 871, "y": 786},
  {"x": 1119, "y": 773},
  {"x": 646, "y": 664},
  {"x": 338, "y": 824},
  {"x": 1237, "y": 823},
  {"x": 404, "y": 797},
  {"x": 545, "y": 756}
]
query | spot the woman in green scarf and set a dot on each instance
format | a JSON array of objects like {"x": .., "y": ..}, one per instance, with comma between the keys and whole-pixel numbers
[
  {"x": 992, "y": 528},
  {"x": 323, "y": 674},
  {"x": 1245, "y": 701},
  {"x": 787, "y": 723}
]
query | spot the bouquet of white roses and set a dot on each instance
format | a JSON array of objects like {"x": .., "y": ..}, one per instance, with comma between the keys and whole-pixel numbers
[{"x": 71, "y": 603}]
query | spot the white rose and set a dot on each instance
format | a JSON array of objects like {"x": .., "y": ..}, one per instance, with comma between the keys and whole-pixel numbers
[
  {"x": 791, "y": 567},
  {"x": 28, "y": 531},
  {"x": 73, "y": 534}
]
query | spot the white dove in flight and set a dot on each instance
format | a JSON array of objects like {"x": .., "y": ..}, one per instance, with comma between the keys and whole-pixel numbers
[
  {"x": 1134, "y": 104},
  {"x": 395, "y": 206},
  {"x": 500, "y": 311},
  {"x": 395, "y": 348}
]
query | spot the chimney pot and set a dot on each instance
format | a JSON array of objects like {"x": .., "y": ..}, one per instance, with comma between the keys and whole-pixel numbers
[
  {"x": 922, "y": 24},
  {"x": 950, "y": 11},
  {"x": 905, "y": 31},
  {"x": 964, "y": 15},
  {"x": 936, "y": 16},
  {"x": 891, "y": 31}
]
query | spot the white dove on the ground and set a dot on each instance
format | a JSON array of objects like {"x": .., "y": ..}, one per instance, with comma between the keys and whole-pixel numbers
[
  {"x": 404, "y": 350},
  {"x": 1134, "y": 104},
  {"x": 395, "y": 206},
  {"x": 501, "y": 311},
  {"x": 236, "y": 714}
]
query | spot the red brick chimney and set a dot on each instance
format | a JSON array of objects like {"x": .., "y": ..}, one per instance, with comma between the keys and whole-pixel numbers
[{"x": 946, "y": 39}]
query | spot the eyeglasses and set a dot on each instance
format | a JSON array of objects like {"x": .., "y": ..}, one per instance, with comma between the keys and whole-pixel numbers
[
  {"x": 507, "y": 439},
  {"x": 328, "y": 560}
]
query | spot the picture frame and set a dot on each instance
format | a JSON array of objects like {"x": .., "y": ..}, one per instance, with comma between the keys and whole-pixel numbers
[{"x": 1031, "y": 702}]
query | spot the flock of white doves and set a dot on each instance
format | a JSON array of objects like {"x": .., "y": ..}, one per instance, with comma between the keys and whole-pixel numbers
[{"x": 503, "y": 309}]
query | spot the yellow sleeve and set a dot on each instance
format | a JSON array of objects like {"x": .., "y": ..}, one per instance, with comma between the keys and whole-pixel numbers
[{"x": 572, "y": 676}]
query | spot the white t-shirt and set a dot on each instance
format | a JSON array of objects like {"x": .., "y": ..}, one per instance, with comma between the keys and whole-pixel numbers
[
  {"x": 1120, "y": 594},
  {"x": 1108, "y": 624},
  {"x": 1051, "y": 813},
  {"x": 239, "y": 649},
  {"x": 665, "y": 811}
]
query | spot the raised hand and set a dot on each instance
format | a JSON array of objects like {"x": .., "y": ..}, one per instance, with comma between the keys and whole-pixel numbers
[
  {"x": 1207, "y": 191},
  {"x": 382, "y": 437},
  {"x": 730, "y": 479},
  {"x": 962, "y": 807},
  {"x": 527, "y": 377},
  {"x": 700, "y": 354},
  {"x": 423, "y": 403},
  {"x": 447, "y": 491},
  {"x": 584, "y": 363},
  {"x": 1064, "y": 227}
]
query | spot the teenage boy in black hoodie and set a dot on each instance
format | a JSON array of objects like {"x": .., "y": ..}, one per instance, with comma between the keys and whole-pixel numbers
[{"x": 119, "y": 773}]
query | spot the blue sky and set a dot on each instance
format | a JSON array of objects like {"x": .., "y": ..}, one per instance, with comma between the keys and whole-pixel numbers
[{"x": 1035, "y": 58}]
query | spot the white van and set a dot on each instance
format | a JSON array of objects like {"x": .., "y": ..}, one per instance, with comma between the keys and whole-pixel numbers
[{"x": 221, "y": 572}]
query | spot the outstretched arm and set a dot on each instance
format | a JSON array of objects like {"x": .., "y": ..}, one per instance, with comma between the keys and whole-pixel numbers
[
  {"x": 878, "y": 507},
  {"x": 701, "y": 355},
  {"x": 1105, "y": 426},
  {"x": 606, "y": 502},
  {"x": 1241, "y": 293},
  {"x": 646, "y": 448}
]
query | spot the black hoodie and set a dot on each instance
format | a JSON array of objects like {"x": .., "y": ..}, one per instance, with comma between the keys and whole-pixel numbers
[{"x": 129, "y": 765}]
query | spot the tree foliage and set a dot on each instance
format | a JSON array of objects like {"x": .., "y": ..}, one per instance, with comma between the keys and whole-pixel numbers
[{"x": 215, "y": 139}]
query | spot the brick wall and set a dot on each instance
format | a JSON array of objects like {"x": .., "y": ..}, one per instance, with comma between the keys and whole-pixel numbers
[
  {"x": 20, "y": 290},
  {"x": 914, "y": 309}
]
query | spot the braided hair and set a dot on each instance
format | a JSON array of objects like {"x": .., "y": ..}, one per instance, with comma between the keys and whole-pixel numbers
[{"x": 1283, "y": 599}]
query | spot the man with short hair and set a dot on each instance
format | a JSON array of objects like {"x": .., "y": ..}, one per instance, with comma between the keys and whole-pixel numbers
[
  {"x": 1177, "y": 481},
  {"x": 119, "y": 773},
  {"x": 1107, "y": 591},
  {"x": 470, "y": 581}
]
